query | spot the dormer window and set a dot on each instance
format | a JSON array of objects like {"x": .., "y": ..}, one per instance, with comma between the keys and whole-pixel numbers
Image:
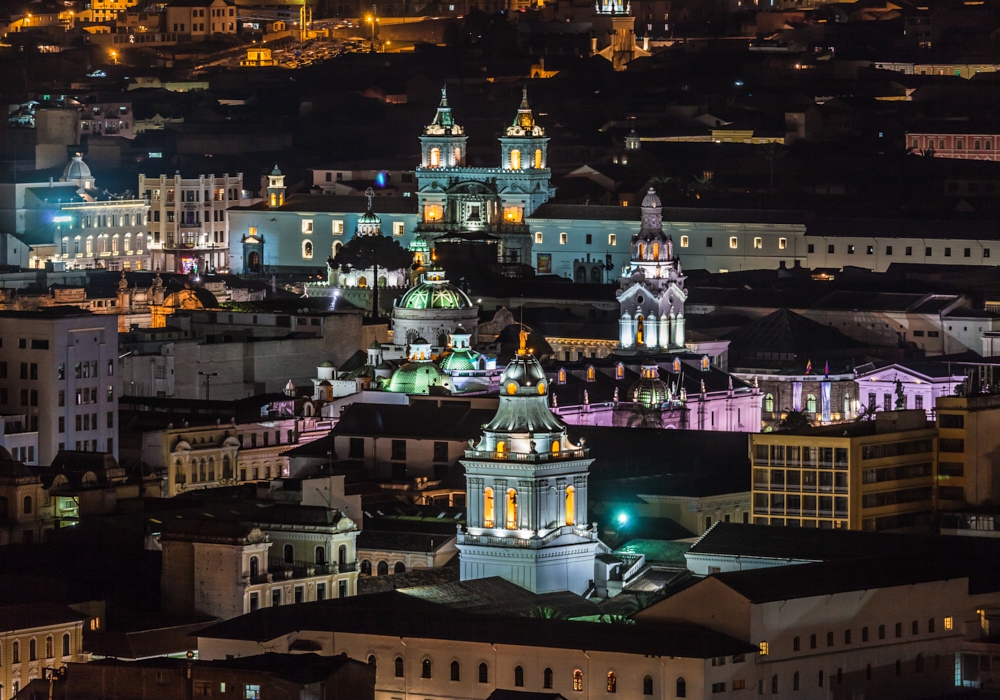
[
  {"x": 562, "y": 375},
  {"x": 619, "y": 371},
  {"x": 591, "y": 374},
  {"x": 677, "y": 364},
  {"x": 705, "y": 363}
]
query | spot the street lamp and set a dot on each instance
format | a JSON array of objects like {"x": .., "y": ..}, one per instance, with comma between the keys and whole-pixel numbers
[{"x": 114, "y": 55}]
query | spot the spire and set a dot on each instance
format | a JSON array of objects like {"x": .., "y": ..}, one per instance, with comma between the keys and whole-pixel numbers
[
  {"x": 524, "y": 122},
  {"x": 444, "y": 120}
]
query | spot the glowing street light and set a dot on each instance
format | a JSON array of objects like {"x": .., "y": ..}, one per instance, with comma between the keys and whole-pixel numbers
[{"x": 114, "y": 55}]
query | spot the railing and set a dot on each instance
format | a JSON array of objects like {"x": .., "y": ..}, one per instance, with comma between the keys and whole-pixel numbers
[
  {"x": 521, "y": 542},
  {"x": 526, "y": 456}
]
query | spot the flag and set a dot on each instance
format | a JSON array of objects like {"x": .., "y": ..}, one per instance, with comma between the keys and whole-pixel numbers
[
  {"x": 809, "y": 366},
  {"x": 826, "y": 370}
]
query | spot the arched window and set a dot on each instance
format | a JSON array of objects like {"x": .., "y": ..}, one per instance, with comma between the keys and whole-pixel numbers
[
  {"x": 307, "y": 250},
  {"x": 640, "y": 330},
  {"x": 399, "y": 568},
  {"x": 456, "y": 671},
  {"x": 140, "y": 242},
  {"x": 211, "y": 468},
  {"x": 50, "y": 651},
  {"x": 66, "y": 649},
  {"x": 289, "y": 553},
  {"x": 64, "y": 248},
  {"x": 811, "y": 403},
  {"x": 319, "y": 556},
  {"x": 435, "y": 157},
  {"x": 274, "y": 199},
  {"x": 847, "y": 406},
  {"x": 32, "y": 650},
  {"x": 515, "y": 159},
  {"x": 774, "y": 684},
  {"x": 372, "y": 661},
  {"x": 227, "y": 467},
  {"x": 647, "y": 685},
  {"x": 682, "y": 688},
  {"x": 612, "y": 682},
  {"x": 538, "y": 159},
  {"x": 336, "y": 247},
  {"x": 366, "y": 567},
  {"x": 76, "y": 245},
  {"x": 705, "y": 363},
  {"x": 458, "y": 156},
  {"x": 484, "y": 673},
  {"x": 547, "y": 678},
  {"x": 619, "y": 371},
  {"x": 489, "y": 509},
  {"x": 591, "y": 373},
  {"x": 570, "y": 505},
  {"x": 578, "y": 680},
  {"x": 562, "y": 376},
  {"x": 114, "y": 244},
  {"x": 399, "y": 666},
  {"x": 511, "y": 510},
  {"x": 656, "y": 251},
  {"x": 254, "y": 566},
  {"x": 128, "y": 244},
  {"x": 518, "y": 677},
  {"x": 795, "y": 681},
  {"x": 556, "y": 447},
  {"x": 342, "y": 557},
  {"x": 425, "y": 668},
  {"x": 383, "y": 568},
  {"x": 642, "y": 251},
  {"x": 26, "y": 505},
  {"x": 90, "y": 246},
  {"x": 769, "y": 403},
  {"x": 15, "y": 652}
]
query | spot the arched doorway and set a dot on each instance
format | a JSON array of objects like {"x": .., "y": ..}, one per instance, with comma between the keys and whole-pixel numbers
[{"x": 253, "y": 262}]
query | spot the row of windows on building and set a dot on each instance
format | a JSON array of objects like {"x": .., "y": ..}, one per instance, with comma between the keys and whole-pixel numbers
[
  {"x": 685, "y": 241},
  {"x": 908, "y": 250},
  {"x": 811, "y": 405},
  {"x": 278, "y": 597},
  {"x": 288, "y": 558},
  {"x": 86, "y": 422},
  {"x": 548, "y": 676},
  {"x": 188, "y": 218},
  {"x": 796, "y": 456},
  {"x": 219, "y": 194},
  {"x": 356, "y": 450},
  {"x": 337, "y": 228},
  {"x": 105, "y": 220},
  {"x": 978, "y": 144},
  {"x": 824, "y": 679},
  {"x": 104, "y": 244},
  {"x": 15, "y": 649}
]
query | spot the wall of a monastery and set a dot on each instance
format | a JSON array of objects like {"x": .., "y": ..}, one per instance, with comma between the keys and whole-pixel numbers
[{"x": 218, "y": 590}]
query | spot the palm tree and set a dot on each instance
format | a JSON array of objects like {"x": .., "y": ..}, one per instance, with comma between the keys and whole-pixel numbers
[{"x": 794, "y": 420}]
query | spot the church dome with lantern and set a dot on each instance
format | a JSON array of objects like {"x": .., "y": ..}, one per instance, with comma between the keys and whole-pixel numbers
[
  {"x": 420, "y": 373},
  {"x": 649, "y": 391},
  {"x": 435, "y": 292}
]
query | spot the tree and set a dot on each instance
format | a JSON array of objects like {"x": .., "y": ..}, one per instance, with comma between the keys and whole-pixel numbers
[
  {"x": 372, "y": 252},
  {"x": 795, "y": 419}
]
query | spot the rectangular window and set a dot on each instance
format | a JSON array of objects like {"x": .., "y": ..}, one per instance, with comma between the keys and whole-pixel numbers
[
  {"x": 708, "y": 242},
  {"x": 733, "y": 241},
  {"x": 864, "y": 634},
  {"x": 251, "y": 692},
  {"x": 888, "y": 250},
  {"x": 782, "y": 243},
  {"x": 563, "y": 238},
  {"x": 986, "y": 252},
  {"x": 612, "y": 239},
  {"x": 927, "y": 251},
  {"x": 685, "y": 241},
  {"x": 338, "y": 227},
  {"x": 763, "y": 648},
  {"x": 949, "y": 623},
  {"x": 870, "y": 250},
  {"x": 968, "y": 252},
  {"x": 398, "y": 449},
  {"x": 539, "y": 237},
  {"x": 398, "y": 228},
  {"x": 39, "y": 344},
  {"x": 320, "y": 591},
  {"x": 947, "y": 252},
  {"x": 811, "y": 248},
  {"x": 830, "y": 249},
  {"x": 440, "y": 451},
  {"x": 590, "y": 238},
  {"x": 758, "y": 243},
  {"x": 307, "y": 226},
  {"x": 62, "y": 397},
  {"x": 850, "y": 250}
]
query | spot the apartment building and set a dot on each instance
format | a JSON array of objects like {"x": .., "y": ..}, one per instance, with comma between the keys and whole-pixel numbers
[
  {"x": 35, "y": 640},
  {"x": 57, "y": 368},
  {"x": 967, "y": 430},
  {"x": 198, "y": 20},
  {"x": 188, "y": 224},
  {"x": 871, "y": 475}
]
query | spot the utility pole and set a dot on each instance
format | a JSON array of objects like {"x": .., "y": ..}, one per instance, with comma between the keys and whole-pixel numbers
[{"x": 208, "y": 383}]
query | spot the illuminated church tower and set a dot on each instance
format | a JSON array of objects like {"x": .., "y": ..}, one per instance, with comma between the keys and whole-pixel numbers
[
  {"x": 652, "y": 293},
  {"x": 526, "y": 486}
]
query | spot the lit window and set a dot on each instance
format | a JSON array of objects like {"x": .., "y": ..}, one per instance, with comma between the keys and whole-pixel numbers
[
  {"x": 758, "y": 243},
  {"x": 307, "y": 226},
  {"x": 949, "y": 623},
  {"x": 398, "y": 228},
  {"x": 782, "y": 243},
  {"x": 578, "y": 680},
  {"x": 563, "y": 238},
  {"x": 433, "y": 212},
  {"x": 732, "y": 241},
  {"x": 612, "y": 239},
  {"x": 763, "y": 648},
  {"x": 338, "y": 227},
  {"x": 515, "y": 159},
  {"x": 538, "y": 237},
  {"x": 307, "y": 250},
  {"x": 685, "y": 241}
]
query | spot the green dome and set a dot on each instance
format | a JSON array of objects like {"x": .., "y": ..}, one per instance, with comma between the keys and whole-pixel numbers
[
  {"x": 435, "y": 292},
  {"x": 369, "y": 218},
  {"x": 419, "y": 245},
  {"x": 650, "y": 390},
  {"x": 460, "y": 360},
  {"x": 417, "y": 378}
]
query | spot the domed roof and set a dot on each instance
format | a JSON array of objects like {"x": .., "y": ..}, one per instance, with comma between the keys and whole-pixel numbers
[
  {"x": 460, "y": 360},
  {"x": 435, "y": 292},
  {"x": 369, "y": 217},
  {"x": 420, "y": 341},
  {"x": 325, "y": 383},
  {"x": 417, "y": 378},
  {"x": 524, "y": 405},
  {"x": 327, "y": 364},
  {"x": 650, "y": 391},
  {"x": 419, "y": 245},
  {"x": 651, "y": 200},
  {"x": 76, "y": 169}
]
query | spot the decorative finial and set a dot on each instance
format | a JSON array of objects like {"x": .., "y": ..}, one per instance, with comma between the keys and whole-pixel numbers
[
  {"x": 369, "y": 193},
  {"x": 702, "y": 386},
  {"x": 616, "y": 394},
  {"x": 523, "y": 335},
  {"x": 586, "y": 397}
]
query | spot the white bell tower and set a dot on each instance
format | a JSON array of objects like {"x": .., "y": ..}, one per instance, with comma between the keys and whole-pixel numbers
[{"x": 526, "y": 487}]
